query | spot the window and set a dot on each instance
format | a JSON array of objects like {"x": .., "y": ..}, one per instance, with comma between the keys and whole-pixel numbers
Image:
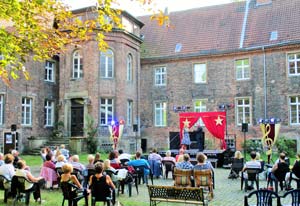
[
  {"x": 243, "y": 111},
  {"x": 1, "y": 109},
  {"x": 295, "y": 110},
  {"x": 129, "y": 112},
  {"x": 106, "y": 111},
  {"x": 107, "y": 64},
  {"x": 200, "y": 73},
  {"x": 200, "y": 106},
  {"x": 129, "y": 68},
  {"x": 160, "y": 114},
  {"x": 160, "y": 76},
  {"x": 49, "y": 113},
  {"x": 26, "y": 111},
  {"x": 294, "y": 64},
  {"x": 77, "y": 65},
  {"x": 242, "y": 69},
  {"x": 49, "y": 71}
]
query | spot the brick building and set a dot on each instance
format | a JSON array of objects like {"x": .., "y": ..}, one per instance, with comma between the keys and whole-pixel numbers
[{"x": 245, "y": 54}]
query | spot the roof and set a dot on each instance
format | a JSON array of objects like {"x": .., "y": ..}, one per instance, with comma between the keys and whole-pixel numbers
[{"x": 218, "y": 29}]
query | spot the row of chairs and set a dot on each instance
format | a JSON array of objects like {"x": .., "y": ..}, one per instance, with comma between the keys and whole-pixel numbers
[
  {"x": 265, "y": 197},
  {"x": 197, "y": 178}
]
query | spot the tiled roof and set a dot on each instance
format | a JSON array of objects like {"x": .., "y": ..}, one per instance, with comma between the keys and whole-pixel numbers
[{"x": 217, "y": 29}]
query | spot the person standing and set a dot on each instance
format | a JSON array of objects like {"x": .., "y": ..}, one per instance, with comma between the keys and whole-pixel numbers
[{"x": 186, "y": 141}]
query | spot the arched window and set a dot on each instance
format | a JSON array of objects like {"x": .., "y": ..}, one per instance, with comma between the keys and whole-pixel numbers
[
  {"x": 77, "y": 71},
  {"x": 107, "y": 64},
  {"x": 129, "y": 67}
]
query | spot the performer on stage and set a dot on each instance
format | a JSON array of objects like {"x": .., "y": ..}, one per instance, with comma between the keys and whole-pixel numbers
[{"x": 186, "y": 141}]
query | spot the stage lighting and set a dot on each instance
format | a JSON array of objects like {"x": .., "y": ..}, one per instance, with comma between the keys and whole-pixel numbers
[
  {"x": 272, "y": 120},
  {"x": 112, "y": 122},
  {"x": 261, "y": 121},
  {"x": 267, "y": 121}
]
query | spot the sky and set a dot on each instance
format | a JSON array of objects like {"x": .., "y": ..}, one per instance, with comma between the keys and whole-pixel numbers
[{"x": 136, "y": 10}]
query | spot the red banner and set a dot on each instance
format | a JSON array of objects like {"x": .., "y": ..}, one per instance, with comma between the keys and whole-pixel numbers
[{"x": 215, "y": 122}]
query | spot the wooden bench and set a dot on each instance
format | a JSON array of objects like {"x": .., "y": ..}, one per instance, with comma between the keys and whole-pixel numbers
[{"x": 187, "y": 195}]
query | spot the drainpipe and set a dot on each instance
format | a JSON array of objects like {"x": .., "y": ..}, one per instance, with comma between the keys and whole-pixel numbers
[
  {"x": 265, "y": 82},
  {"x": 244, "y": 24}
]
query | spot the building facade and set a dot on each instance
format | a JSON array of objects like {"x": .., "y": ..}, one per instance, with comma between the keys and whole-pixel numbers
[{"x": 243, "y": 57}]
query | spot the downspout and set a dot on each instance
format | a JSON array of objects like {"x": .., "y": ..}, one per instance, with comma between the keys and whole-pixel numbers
[
  {"x": 265, "y": 82},
  {"x": 244, "y": 24}
]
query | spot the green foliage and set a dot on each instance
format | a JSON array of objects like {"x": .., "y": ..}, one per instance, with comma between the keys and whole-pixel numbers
[
  {"x": 58, "y": 131},
  {"x": 91, "y": 131},
  {"x": 252, "y": 145},
  {"x": 286, "y": 145}
]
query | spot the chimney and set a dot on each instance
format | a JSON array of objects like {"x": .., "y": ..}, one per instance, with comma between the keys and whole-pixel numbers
[{"x": 262, "y": 2}]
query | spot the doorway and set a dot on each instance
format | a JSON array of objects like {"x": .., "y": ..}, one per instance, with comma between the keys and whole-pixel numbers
[{"x": 77, "y": 114}]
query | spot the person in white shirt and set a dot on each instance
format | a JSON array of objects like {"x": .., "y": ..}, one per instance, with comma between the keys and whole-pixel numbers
[
  {"x": 253, "y": 164},
  {"x": 7, "y": 169}
]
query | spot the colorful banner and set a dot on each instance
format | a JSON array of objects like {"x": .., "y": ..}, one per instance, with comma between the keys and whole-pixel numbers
[
  {"x": 270, "y": 134},
  {"x": 215, "y": 122}
]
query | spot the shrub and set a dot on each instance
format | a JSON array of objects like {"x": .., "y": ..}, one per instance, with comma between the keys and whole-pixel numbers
[
  {"x": 91, "y": 131},
  {"x": 286, "y": 145},
  {"x": 252, "y": 145}
]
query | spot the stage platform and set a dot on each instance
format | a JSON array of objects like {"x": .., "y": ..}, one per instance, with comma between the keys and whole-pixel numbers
[{"x": 216, "y": 157}]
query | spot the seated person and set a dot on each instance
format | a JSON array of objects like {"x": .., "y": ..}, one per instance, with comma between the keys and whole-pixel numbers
[
  {"x": 68, "y": 177},
  {"x": 169, "y": 157},
  {"x": 90, "y": 164},
  {"x": 97, "y": 158},
  {"x": 48, "y": 163},
  {"x": 37, "y": 182},
  {"x": 64, "y": 151},
  {"x": 253, "y": 164},
  {"x": 7, "y": 169},
  {"x": 50, "y": 173},
  {"x": 181, "y": 153},
  {"x": 124, "y": 156},
  {"x": 140, "y": 162},
  {"x": 155, "y": 163},
  {"x": 61, "y": 160},
  {"x": 113, "y": 157},
  {"x": 237, "y": 165},
  {"x": 186, "y": 164},
  {"x": 295, "y": 174},
  {"x": 77, "y": 165},
  {"x": 279, "y": 170},
  {"x": 100, "y": 184},
  {"x": 202, "y": 164},
  {"x": 107, "y": 166}
]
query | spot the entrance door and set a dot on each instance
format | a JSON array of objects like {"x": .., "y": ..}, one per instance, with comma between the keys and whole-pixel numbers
[{"x": 77, "y": 117}]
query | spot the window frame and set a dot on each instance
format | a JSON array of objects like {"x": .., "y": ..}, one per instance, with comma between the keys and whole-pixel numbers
[
  {"x": 129, "y": 112},
  {"x": 244, "y": 68},
  {"x": 79, "y": 70},
  {"x": 200, "y": 109},
  {"x": 49, "y": 110},
  {"x": 47, "y": 71},
  {"x": 129, "y": 67},
  {"x": 162, "y": 111},
  {"x": 243, "y": 107},
  {"x": 106, "y": 64},
  {"x": 106, "y": 107},
  {"x": 160, "y": 76},
  {"x": 297, "y": 69},
  {"x": 26, "y": 106},
  {"x": 196, "y": 73},
  {"x": 297, "y": 104}
]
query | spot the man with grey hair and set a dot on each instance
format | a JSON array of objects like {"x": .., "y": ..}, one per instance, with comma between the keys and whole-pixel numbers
[{"x": 64, "y": 151}]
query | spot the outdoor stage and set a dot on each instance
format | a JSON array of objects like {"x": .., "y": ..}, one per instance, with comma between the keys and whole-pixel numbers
[{"x": 216, "y": 157}]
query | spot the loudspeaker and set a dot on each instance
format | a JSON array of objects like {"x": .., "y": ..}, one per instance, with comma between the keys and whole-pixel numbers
[
  {"x": 245, "y": 127},
  {"x": 13, "y": 127},
  {"x": 135, "y": 128}
]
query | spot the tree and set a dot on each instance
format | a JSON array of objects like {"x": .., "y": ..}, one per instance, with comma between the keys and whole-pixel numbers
[{"x": 40, "y": 29}]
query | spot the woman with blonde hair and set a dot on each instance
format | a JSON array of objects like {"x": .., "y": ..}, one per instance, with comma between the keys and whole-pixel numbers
[{"x": 237, "y": 165}]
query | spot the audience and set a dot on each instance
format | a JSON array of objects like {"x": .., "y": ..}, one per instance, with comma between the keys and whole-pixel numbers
[
  {"x": 123, "y": 155},
  {"x": 64, "y": 151},
  {"x": 76, "y": 164},
  {"x": 1, "y": 159},
  {"x": 155, "y": 163},
  {"x": 97, "y": 158},
  {"x": 202, "y": 164},
  {"x": 279, "y": 170},
  {"x": 253, "y": 164},
  {"x": 295, "y": 174},
  {"x": 186, "y": 164},
  {"x": 180, "y": 155},
  {"x": 7, "y": 169},
  {"x": 107, "y": 166},
  {"x": 61, "y": 160},
  {"x": 169, "y": 157},
  {"x": 37, "y": 182},
  {"x": 15, "y": 153},
  {"x": 113, "y": 157},
  {"x": 140, "y": 162},
  {"x": 67, "y": 176},
  {"x": 90, "y": 164}
]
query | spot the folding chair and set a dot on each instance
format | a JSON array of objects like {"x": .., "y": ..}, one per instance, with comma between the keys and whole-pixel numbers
[{"x": 5, "y": 185}]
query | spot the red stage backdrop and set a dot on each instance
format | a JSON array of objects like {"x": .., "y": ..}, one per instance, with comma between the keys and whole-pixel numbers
[{"x": 215, "y": 122}]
